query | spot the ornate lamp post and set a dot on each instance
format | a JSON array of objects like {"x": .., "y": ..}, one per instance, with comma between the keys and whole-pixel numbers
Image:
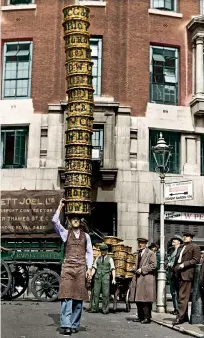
[{"x": 162, "y": 153}]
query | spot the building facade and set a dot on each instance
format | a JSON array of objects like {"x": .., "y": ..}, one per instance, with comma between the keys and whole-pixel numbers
[{"x": 148, "y": 77}]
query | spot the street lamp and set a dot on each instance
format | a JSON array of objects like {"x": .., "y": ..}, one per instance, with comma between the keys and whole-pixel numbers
[{"x": 162, "y": 153}]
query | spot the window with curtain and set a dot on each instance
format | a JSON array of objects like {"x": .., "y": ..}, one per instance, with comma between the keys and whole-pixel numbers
[
  {"x": 171, "y": 138},
  {"x": 164, "y": 75},
  {"x": 17, "y": 65},
  {"x": 13, "y": 147},
  {"x": 96, "y": 57}
]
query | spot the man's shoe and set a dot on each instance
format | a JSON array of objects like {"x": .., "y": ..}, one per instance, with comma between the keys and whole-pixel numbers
[
  {"x": 146, "y": 321},
  {"x": 137, "y": 320},
  {"x": 178, "y": 322},
  {"x": 175, "y": 312},
  {"x": 67, "y": 332},
  {"x": 75, "y": 330}
]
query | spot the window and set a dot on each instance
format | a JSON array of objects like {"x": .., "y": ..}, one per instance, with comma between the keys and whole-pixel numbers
[
  {"x": 17, "y": 70},
  {"x": 164, "y": 5},
  {"x": 172, "y": 139},
  {"x": 19, "y": 2},
  {"x": 202, "y": 7},
  {"x": 98, "y": 143},
  {"x": 202, "y": 155},
  {"x": 13, "y": 147},
  {"x": 164, "y": 75},
  {"x": 96, "y": 56}
]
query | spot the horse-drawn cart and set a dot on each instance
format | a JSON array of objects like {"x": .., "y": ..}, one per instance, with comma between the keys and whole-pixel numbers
[{"x": 39, "y": 255}]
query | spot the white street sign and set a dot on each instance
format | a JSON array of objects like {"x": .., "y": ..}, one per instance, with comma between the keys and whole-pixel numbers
[{"x": 178, "y": 191}]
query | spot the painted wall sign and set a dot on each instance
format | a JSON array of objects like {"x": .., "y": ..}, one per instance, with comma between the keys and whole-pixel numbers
[
  {"x": 28, "y": 211},
  {"x": 184, "y": 216}
]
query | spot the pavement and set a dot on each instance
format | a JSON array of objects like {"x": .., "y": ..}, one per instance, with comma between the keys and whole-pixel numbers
[
  {"x": 166, "y": 319},
  {"x": 32, "y": 319}
]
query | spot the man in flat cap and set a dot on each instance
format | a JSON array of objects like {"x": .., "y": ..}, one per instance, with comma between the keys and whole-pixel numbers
[
  {"x": 188, "y": 255},
  {"x": 102, "y": 268},
  {"x": 175, "y": 243},
  {"x": 143, "y": 283}
]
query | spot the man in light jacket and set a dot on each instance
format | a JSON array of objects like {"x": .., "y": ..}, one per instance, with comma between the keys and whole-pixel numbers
[{"x": 143, "y": 289}]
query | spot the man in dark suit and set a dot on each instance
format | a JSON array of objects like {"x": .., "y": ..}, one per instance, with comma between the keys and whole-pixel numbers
[{"x": 186, "y": 259}]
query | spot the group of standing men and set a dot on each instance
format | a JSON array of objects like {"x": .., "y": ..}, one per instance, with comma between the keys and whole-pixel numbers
[{"x": 79, "y": 256}]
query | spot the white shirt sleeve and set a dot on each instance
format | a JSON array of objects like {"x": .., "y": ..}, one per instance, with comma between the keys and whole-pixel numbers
[
  {"x": 112, "y": 265},
  {"x": 89, "y": 252}
]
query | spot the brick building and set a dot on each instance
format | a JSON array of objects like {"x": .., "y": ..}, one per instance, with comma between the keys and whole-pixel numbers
[{"x": 148, "y": 78}]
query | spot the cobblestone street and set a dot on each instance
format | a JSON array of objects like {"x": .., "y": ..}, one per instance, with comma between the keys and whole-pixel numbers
[{"x": 27, "y": 319}]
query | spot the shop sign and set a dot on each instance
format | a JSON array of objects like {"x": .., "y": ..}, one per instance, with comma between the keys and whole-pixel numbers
[
  {"x": 178, "y": 191},
  {"x": 184, "y": 216}
]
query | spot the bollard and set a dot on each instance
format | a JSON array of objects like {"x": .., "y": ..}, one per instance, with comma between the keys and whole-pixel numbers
[{"x": 197, "y": 316}]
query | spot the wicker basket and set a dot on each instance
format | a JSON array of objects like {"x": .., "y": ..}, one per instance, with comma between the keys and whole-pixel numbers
[
  {"x": 120, "y": 255},
  {"x": 112, "y": 240}
]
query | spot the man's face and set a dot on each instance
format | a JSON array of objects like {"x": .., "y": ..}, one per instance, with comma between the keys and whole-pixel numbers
[
  {"x": 154, "y": 249},
  {"x": 187, "y": 239},
  {"x": 175, "y": 242},
  {"x": 75, "y": 222},
  {"x": 104, "y": 252},
  {"x": 142, "y": 245}
]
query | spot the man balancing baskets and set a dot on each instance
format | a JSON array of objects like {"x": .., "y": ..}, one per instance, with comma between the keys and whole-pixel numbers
[{"x": 78, "y": 256}]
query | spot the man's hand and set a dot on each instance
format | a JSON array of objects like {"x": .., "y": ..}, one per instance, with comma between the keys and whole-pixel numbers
[
  {"x": 181, "y": 266},
  {"x": 114, "y": 281},
  {"x": 61, "y": 203},
  {"x": 89, "y": 274},
  {"x": 139, "y": 271}
]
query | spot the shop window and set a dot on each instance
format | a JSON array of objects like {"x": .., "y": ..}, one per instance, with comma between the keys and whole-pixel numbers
[
  {"x": 17, "y": 70},
  {"x": 172, "y": 139},
  {"x": 202, "y": 155},
  {"x": 164, "y": 75},
  {"x": 13, "y": 147},
  {"x": 164, "y": 5},
  {"x": 96, "y": 57}
]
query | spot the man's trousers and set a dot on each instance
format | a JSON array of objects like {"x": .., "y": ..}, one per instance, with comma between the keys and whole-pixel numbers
[
  {"x": 144, "y": 310},
  {"x": 70, "y": 313},
  {"x": 101, "y": 285}
]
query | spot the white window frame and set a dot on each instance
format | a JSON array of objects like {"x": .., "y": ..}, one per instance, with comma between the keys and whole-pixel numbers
[
  {"x": 176, "y": 50},
  {"x": 4, "y": 69},
  {"x": 99, "y": 57},
  {"x": 174, "y": 10}
]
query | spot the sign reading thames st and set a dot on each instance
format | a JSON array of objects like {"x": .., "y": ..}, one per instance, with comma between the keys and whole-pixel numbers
[
  {"x": 28, "y": 211},
  {"x": 178, "y": 191}
]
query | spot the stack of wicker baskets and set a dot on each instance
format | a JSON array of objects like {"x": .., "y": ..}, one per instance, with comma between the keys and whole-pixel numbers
[{"x": 122, "y": 254}]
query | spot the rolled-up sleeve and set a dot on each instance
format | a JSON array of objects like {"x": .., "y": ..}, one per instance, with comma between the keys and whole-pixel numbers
[
  {"x": 112, "y": 265},
  {"x": 58, "y": 226},
  {"x": 89, "y": 252}
]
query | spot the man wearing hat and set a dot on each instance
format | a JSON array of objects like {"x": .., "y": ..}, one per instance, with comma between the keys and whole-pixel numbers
[
  {"x": 78, "y": 255},
  {"x": 188, "y": 255},
  {"x": 143, "y": 283},
  {"x": 102, "y": 268},
  {"x": 176, "y": 241}
]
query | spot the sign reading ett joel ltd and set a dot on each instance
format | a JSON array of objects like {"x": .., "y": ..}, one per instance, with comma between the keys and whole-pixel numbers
[{"x": 178, "y": 191}]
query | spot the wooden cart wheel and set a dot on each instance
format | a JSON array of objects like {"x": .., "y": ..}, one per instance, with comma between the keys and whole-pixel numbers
[
  {"x": 127, "y": 301},
  {"x": 6, "y": 278},
  {"x": 45, "y": 286},
  {"x": 20, "y": 280}
]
